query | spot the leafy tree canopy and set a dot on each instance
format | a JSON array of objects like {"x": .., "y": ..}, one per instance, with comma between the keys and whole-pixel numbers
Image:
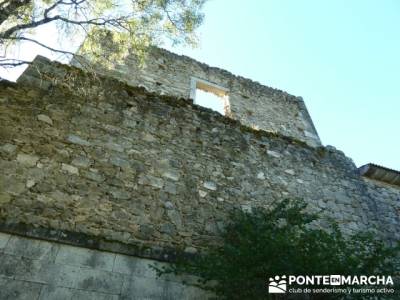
[
  {"x": 136, "y": 23},
  {"x": 284, "y": 240}
]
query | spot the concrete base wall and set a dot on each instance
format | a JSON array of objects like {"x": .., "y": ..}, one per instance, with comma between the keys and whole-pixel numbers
[{"x": 37, "y": 269}]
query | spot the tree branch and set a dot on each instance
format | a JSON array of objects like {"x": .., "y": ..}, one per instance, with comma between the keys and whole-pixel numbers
[
  {"x": 6, "y": 34},
  {"x": 50, "y": 8},
  {"x": 96, "y": 21},
  {"x": 11, "y": 62},
  {"x": 143, "y": 18},
  {"x": 41, "y": 44}
]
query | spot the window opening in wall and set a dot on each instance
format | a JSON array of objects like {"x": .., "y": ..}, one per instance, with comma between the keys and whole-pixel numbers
[{"x": 210, "y": 95}]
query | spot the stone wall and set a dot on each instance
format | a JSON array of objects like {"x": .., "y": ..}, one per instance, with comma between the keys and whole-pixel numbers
[
  {"x": 116, "y": 162},
  {"x": 251, "y": 103},
  {"x": 95, "y": 163},
  {"x": 42, "y": 270}
]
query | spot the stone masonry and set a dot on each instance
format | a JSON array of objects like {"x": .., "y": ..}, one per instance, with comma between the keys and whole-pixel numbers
[
  {"x": 251, "y": 103},
  {"x": 36, "y": 269},
  {"x": 96, "y": 163}
]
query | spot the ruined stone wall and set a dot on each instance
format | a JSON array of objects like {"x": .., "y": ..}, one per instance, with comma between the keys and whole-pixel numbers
[
  {"x": 118, "y": 163},
  {"x": 251, "y": 103},
  {"x": 129, "y": 177},
  {"x": 386, "y": 196}
]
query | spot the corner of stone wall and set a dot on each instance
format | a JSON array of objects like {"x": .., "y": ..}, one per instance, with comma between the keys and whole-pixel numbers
[{"x": 310, "y": 131}]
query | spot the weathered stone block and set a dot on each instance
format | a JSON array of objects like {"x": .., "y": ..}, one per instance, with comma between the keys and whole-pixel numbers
[
  {"x": 27, "y": 159},
  {"x": 99, "y": 281},
  {"x": 70, "y": 169},
  {"x": 4, "y": 237},
  {"x": 8, "y": 148},
  {"x": 151, "y": 180},
  {"x": 171, "y": 174},
  {"x": 32, "y": 249},
  {"x": 51, "y": 292},
  {"x": 148, "y": 288},
  {"x": 82, "y": 162},
  {"x": 120, "y": 194},
  {"x": 175, "y": 218},
  {"x": 210, "y": 185},
  {"x": 86, "y": 295},
  {"x": 290, "y": 172},
  {"x": 119, "y": 162},
  {"x": 132, "y": 265},
  {"x": 19, "y": 290},
  {"x": 273, "y": 154},
  {"x": 45, "y": 119},
  {"x": 60, "y": 275},
  {"x": 5, "y": 198},
  {"x": 20, "y": 268},
  {"x": 74, "y": 139},
  {"x": 75, "y": 256},
  {"x": 30, "y": 183}
]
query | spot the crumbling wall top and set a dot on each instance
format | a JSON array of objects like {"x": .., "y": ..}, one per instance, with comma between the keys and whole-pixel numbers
[{"x": 250, "y": 102}]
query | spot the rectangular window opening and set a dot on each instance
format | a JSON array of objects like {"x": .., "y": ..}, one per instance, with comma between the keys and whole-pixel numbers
[{"x": 210, "y": 95}]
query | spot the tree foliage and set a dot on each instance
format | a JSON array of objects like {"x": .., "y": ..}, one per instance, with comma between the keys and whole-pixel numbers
[
  {"x": 136, "y": 23},
  {"x": 284, "y": 240}
]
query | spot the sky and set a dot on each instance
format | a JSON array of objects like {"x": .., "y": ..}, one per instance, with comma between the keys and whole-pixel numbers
[{"x": 342, "y": 57}]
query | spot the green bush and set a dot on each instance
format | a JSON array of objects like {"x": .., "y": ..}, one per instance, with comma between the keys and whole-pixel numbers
[{"x": 284, "y": 240}]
